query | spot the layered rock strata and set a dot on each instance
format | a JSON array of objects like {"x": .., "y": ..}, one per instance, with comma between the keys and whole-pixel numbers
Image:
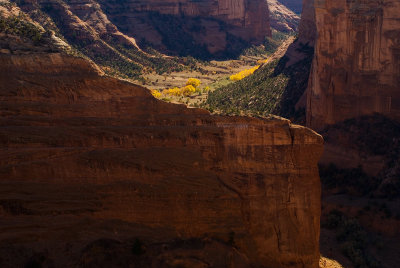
[
  {"x": 90, "y": 163},
  {"x": 294, "y": 5},
  {"x": 217, "y": 25},
  {"x": 356, "y": 69},
  {"x": 282, "y": 19},
  {"x": 109, "y": 31}
]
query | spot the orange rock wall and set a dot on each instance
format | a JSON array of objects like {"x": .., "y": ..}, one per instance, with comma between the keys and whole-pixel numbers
[
  {"x": 84, "y": 157},
  {"x": 356, "y": 67}
]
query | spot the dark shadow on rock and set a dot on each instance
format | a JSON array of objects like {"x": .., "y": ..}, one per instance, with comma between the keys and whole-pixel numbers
[
  {"x": 180, "y": 35},
  {"x": 296, "y": 64},
  {"x": 371, "y": 136}
]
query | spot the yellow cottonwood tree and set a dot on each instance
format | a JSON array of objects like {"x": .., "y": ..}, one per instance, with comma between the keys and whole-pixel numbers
[
  {"x": 173, "y": 91},
  {"x": 156, "y": 93},
  {"x": 192, "y": 86},
  {"x": 243, "y": 74},
  {"x": 188, "y": 90},
  {"x": 193, "y": 82}
]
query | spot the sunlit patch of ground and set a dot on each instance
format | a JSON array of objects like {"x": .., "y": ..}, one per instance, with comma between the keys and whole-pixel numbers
[
  {"x": 214, "y": 74},
  {"x": 329, "y": 263}
]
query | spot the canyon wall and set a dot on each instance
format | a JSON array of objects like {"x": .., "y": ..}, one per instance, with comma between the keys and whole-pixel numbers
[
  {"x": 214, "y": 24},
  {"x": 356, "y": 69},
  {"x": 294, "y": 5},
  {"x": 282, "y": 18},
  {"x": 125, "y": 38},
  {"x": 307, "y": 26},
  {"x": 85, "y": 28},
  {"x": 91, "y": 166},
  {"x": 303, "y": 46}
]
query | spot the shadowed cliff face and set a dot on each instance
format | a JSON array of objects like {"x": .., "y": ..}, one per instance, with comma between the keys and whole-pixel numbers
[
  {"x": 217, "y": 27},
  {"x": 294, "y": 5},
  {"x": 307, "y": 27},
  {"x": 205, "y": 29},
  {"x": 356, "y": 66},
  {"x": 282, "y": 18},
  {"x": 85, "y": 157},
  {"x": 125, "y": 38}
]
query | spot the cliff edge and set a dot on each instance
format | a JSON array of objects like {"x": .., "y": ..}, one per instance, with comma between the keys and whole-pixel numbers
[{"x": 91, "y": 166}]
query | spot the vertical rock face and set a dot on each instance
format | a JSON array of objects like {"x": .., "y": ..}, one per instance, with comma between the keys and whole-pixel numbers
[
  {"x": 209, "y": 23},
  {"x": 303, "y": 46},
  {"x": 356, "y": 70},
  {"x": 307, "y": 27},
  {"x": 85, "y": 157}
]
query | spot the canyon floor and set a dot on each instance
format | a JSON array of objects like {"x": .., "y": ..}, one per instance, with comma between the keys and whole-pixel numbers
[{"x": 213, "y": 74}]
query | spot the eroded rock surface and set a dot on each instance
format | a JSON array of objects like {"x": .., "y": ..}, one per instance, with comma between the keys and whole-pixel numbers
[
  {"x": 282, "y": 18},
  {"x": 307, "y": 27},
  {"x": 217, "y": 25},
  {"x": 295, "y": 5},
  {"x": 356, "y": 70},
  {"x": 91, "y": 165}
]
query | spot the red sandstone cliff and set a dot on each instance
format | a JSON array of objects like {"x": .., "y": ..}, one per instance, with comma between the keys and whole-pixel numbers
[
  {"x": 356, "y": 69},
  {"x": 307, "y": 26},
  {"x": 85, "y": 157},
  {"x": 211, "y": 23}
]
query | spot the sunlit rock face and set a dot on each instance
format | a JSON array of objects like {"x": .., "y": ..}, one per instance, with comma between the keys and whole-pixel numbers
[
  {"x": 356, "y": 69},
  {"x": 282, "y": 18},
  {"x": 90, "y": 165}
]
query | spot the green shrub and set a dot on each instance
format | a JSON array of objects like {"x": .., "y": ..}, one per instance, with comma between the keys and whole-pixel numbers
[
  {"x": 352, "y": 239},
  {"x": 17, "y": 25},
  {"x": 354, "y": 180},
  {"x": 272, "y": 89},
  {"x": 370, "y": 135}
]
